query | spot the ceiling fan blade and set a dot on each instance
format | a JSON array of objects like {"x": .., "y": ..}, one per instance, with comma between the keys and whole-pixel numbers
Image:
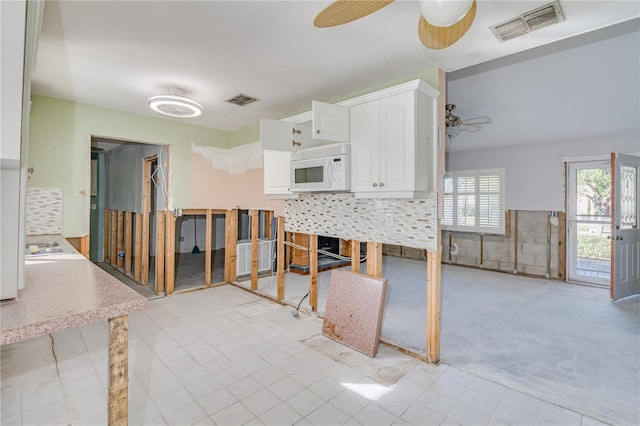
[
  {"x": 440, "y": 37},
  {"x": 343, "y": 11},
  {"x": 477, "y": 120},
  {"x": 468, "y": 128}
]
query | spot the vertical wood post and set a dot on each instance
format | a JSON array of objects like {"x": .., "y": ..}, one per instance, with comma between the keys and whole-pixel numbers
[
  {"x": 120, "y": 238},
  {"x": 268, "y": 218},
  {"x": 144, "y": 260},
  {"x": 160, "y": 248},
  {"x": 207, "y": 250},
  {"x": 231, "y": 241},
  {"x": 112, "y": 239},
  {"x": 128, "y": 241},
  {"x": 288, "y": 252},
  {"x": 355, "y": 256},
  {"x": 562, "y": 252},
  {"x": 106, "y": 249},
  {"x": 137, "y": 259},
  {"x": 313, "y": 272},
  {"x": 433, "y": 306},
  {"x": 118, "y": 370},
  {"x": 255, "y": 256},
  {"x": 374, "y": 259},
  {"x": 280, "y": 259},
  {"x": 169, "y": 252}
]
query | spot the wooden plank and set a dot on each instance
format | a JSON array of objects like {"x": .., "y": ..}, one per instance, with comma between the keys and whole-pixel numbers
[
  {"x": 433, "y": 305},
  {"x": 268, "y": 219},
  {"x": 288, "y": 251},
  {"x": 255, "y": 229},
  {"x": 169, "y": 252},
  {"x": 313, "y": 272},
  {"x": 280, "y": 259},
  {"x": 118, "y": 370},
  {"x": 231, "y": 241},
  {"x": 160, "y": 247},
  {"x": 300, "y": 257},
  {"x": 207, "y": 250},
  {"x": 144, "y": 259},
  {"x": 112, "y": 239},
  {"x": 345, "y": 247},
  {"x": 507, "y": 224},
  {"x": 137, "y": 257},
  {"x": 562, "y": 252},
  {"x": 106, "y": 255},
  {"x": 120, "y": 239},
  {"x": 515, "y": 244},
  {"x": 374, "y": 259},
  {"x": 128, "y": 241},
  {"x": 195, "y": 211},
  {"x": 85, "y": 244},
  {"x": 355, "y": 256}
]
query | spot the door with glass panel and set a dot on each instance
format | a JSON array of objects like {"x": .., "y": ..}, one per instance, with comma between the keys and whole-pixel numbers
[
  {"x": 589, "y": 222},
  {"x": 625, "y": 271}
]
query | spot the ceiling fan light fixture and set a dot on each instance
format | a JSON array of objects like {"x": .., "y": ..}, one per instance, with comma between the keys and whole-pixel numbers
[
  {"x": 175, "y": 105},
  {"x": 444, "y": 13}
]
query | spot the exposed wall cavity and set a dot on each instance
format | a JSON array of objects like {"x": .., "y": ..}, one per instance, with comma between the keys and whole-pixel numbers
[{"x": 407, "y": 222}]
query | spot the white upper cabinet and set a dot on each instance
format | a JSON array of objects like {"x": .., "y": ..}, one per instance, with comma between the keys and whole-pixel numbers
[
  {"x": 394, "y": 145},
  {"x": 330, "y": 122},
  {"x": 284, "y": 135},
  {"x": 276, "y": 174}
]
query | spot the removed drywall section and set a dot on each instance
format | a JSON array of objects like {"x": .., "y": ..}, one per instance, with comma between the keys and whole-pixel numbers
[
  {"x": 531, "y": 247},
  {"x": 407, "y": 222}
]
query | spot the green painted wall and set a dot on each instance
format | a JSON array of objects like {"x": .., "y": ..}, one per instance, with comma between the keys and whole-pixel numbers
[{"x": 59, "y": 150}]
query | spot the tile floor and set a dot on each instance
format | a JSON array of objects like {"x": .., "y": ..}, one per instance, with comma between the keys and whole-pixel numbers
[{"x": 225, "y": 356}]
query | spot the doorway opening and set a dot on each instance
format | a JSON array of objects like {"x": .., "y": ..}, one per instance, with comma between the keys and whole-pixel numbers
[{"x": 589, "y": 222}]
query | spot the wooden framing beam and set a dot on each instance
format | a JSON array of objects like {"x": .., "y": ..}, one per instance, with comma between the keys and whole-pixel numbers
[
  {"x": 280, "y": 259},
  {"x": 231, "y": 241},
  {"x": 288, "y": 250},
  {"x": 106, "y": 248},
  {"x": 374, "y": 259},
  {"x": 144, "y": 260},
  {"x": 128, "y": 241},
  {"x": 433, "y": 306},
  {"x": 355, "y": 256},
  {"x": 562, "y": 252},
  {"x": 313, "y": 272},
  {"x": 255, "y": 254},
  {"x": 137, "y": 258},
  {"x": 120, "y": 239},
  {"x": 169, "y": 252},
  {"x": 207, "y": 250},
  {"x": 160, "y": 247},
  {"x": 118, "y": 370},
  {"x": 268, "y": 219},
  {"x": 112, "y": 239}
]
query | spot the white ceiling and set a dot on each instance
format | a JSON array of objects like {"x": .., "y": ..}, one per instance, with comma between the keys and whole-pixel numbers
[{"x": 117, "y": 54}]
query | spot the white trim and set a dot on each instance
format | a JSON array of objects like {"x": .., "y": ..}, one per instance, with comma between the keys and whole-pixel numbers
[{"x": 602, "y": 157}]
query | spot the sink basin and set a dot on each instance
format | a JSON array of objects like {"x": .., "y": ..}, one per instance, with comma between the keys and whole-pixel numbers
[{"x": 43, "y": 248}]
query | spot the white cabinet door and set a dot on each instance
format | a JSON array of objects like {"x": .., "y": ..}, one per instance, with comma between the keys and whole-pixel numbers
[
  {"x": 397, "y": 143},
  {"x": 276, "y": 172},
  {"x": 330, "y": 122},
  {"x": 284, "y": 136},
  {"x": 365, "y": 151}
]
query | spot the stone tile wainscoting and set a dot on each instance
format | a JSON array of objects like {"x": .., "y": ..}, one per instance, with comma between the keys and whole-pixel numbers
[
  {"x": 415, "y": 222},
  {"x": 44, "y": 211}
]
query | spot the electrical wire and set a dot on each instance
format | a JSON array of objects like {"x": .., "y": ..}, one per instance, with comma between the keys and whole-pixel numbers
[{"x": 326, "y": 253}]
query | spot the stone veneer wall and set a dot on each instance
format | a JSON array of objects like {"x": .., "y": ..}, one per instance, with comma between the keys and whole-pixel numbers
[
  {"x": 365, "y": 219},
  {"x": 44, "y": 211}
]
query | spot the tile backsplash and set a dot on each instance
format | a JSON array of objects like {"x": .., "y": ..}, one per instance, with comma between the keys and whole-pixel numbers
[
  {"x": 44, "y": 211},
  {"x": 406, "y": 222}
]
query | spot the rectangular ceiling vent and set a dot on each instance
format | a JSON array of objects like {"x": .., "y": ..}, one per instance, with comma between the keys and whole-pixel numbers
[
  {"x": 241, "y": 99},
  {"x": 529, "y": 21}
]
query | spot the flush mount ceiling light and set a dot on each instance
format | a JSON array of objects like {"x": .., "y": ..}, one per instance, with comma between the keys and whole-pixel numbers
[
  {"x": 175, "y": 104},
  {"x": 444, "y": 13}
]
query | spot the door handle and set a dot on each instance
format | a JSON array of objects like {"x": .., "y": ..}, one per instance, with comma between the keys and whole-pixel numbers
[
  {"x": 619, "y": 238},
  {"x": 381, "y": 184},
  {"x": 608, "y": 237},
  {"x": 375, "y": 185}
]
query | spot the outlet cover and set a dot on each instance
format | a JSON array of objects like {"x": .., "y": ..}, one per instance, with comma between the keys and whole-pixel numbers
[{"x": 181, "y": 239}]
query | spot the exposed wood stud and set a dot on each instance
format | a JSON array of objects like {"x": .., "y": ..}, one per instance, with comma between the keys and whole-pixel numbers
[
  {"x": 112, "y": 239},
  {"x": 562, "y": 252},
  {"x": 507, "y": 224},
  {"x": 160, "y": 248},
  {"x": 120, "y": 239},
  {"x": 118, "y": 370},
  {"x": 169, "y": 252},
  {"x": 144, "y": 260},
  {"x": 128, "y": 241},
  {"x": 106, "y": 249},
  {"x": 85, "y": 244},
  {"x": 280, "y": 259},
  {"x": 355, "y": 256},
  {"x": 207, "y": 259},
  {"x": 374, "y": 259},
  {"x": 268, "y": 220},
  {"x": 450, "y": 243},
  {"x": 433, "y": 306},
  {"x": 515, "y": 244},
  {"x": 231, "y": 241},
  {"x": 481, "y": 251},
  {"x": 255, "y": 229},
  {"x": 313, "y": 272},
  {"x": 137, "y": 258}
]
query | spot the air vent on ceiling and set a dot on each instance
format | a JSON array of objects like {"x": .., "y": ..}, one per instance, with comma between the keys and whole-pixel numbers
[
  {"x": 242, "y": 100},
  {"x": 529, "y": 21}
]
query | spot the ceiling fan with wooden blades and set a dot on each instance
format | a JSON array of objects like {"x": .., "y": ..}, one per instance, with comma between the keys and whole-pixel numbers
[
  {"x": 455, "y": 124},
  {"x": 442, "y": 22}
]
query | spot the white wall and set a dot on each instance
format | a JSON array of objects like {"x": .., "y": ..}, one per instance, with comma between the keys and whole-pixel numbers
[{"x": 534, "y": 176}]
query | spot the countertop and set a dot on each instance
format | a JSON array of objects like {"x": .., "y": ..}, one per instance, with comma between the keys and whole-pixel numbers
[{"x": 63, "y": 291}]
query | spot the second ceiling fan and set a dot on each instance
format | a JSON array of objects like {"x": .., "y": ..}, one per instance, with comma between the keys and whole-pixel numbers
[{"x": 442, "y": 23}]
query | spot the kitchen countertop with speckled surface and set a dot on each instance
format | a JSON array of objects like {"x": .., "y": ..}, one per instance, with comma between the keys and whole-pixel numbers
[{"x": 63, "y": 291}]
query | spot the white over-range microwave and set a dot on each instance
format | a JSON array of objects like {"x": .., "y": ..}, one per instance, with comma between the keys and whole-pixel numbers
[{"x": 321, "y": 169}]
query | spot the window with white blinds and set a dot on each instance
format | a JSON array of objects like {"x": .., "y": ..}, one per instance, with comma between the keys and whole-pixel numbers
[{"x": 474, "y": 201}]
